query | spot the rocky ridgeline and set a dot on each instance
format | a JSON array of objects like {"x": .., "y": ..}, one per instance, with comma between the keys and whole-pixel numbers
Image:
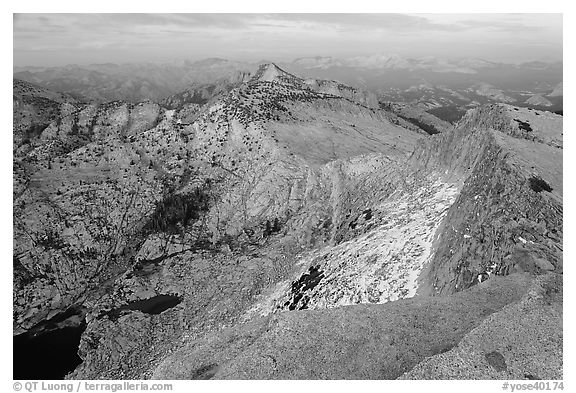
[
  {"x": 279, "y": 198},
  {"x": 508, "y": 216},
  {"x": 523, "y": 123},
  {"x": 33, "y": 109},
  {"x": 416, "y": 116},
  {"x": 273, "y": 73},
  {"x": 199, "y": 94}
]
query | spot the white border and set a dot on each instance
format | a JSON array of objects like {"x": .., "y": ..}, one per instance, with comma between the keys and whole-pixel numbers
[{"x": 437, "y": 6}]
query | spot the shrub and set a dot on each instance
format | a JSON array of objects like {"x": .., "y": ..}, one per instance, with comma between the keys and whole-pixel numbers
[
  {"x": 51, "y": 240},
  {"x": 272, "y": 228},
  {"x": 177, "y": 210},
  {"x": 539, "y": 185},
  {"x": 523, "y": 125}
]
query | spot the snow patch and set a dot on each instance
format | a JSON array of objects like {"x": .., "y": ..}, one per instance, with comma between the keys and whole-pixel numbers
[{"x": 379, "y": 266}]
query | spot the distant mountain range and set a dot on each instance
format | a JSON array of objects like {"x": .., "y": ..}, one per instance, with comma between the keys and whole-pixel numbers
[
  {"x": 445, "y": 85},
  {"x": 131, "y": 82},
  {"x": 392, "y": 77},
  {"x": 394, "y": 61}
]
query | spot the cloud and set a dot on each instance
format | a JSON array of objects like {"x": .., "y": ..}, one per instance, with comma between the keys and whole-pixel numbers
[
  {"x": 392, "y": 22},
  {"x": 103, "y": 22},
  {"x": 269, "y": 35},
  {"x": 498, "y": 26},
  {"x": 396, "y": 23}
]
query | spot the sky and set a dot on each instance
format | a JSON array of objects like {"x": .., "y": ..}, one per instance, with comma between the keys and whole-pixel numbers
[{"x": 59, "y": 39}]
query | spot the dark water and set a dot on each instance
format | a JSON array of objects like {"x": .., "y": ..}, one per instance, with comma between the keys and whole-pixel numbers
[
  {"x": 48, "y": 355},
  {"x": 50, "y": 349},
  {"x": 154, "y": 305}
]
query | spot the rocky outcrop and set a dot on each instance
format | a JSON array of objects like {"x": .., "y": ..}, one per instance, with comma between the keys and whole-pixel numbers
[
  {"x": 273, "y": 73},
  {"x": 522, "y": 341},
  {"x": 34, "y": 108},
  {"x": 538, "y": 100},
  {"x": 502, "y": 214}
]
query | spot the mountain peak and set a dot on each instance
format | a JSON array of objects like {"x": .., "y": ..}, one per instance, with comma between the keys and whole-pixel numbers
[{"x": 270, "y": 72}]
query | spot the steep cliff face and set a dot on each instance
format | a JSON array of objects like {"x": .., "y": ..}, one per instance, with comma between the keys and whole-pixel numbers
[{"x": 508, "y": 216}]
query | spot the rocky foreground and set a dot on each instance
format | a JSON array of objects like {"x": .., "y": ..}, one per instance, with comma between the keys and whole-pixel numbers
[{"x": 303, "y": 231}]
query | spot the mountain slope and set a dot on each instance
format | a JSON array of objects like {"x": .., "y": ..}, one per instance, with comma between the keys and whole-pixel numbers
[
  {"x": 282, "y": 204},
  {"x": 510, "y": 206},
  {"x": 465, "y": 153},
  {"x": 512, "y": 228},
  {"x": 34, "y": 108},
  {"x": 528, "y": 345},
  {"x": 358, "y": 342},
  {"x": 108, "y": 167}
]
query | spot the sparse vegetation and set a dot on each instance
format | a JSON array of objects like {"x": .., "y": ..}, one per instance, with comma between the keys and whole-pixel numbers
[
  {"x": 222, "y": 213},
  {"x": 272, "y": 227},
  {"x": 524, "y": 125},
  {"x": 539, "y": 185},
  {"x": 176, "y": 211},
  {"x": 428, "y": 128}
]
